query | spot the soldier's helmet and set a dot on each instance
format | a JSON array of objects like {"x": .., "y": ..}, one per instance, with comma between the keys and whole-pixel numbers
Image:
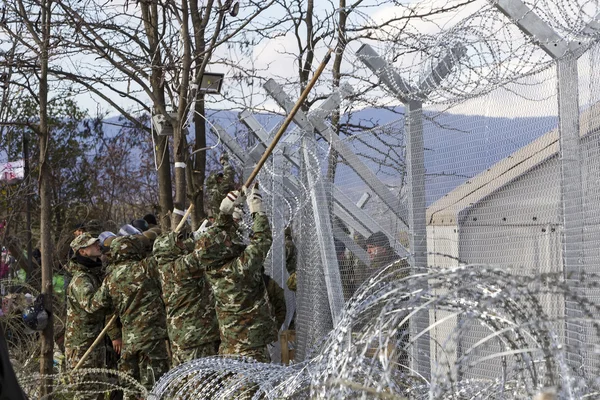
[
  {"x": 216, "y": 247},
  {"x": 140, "y": 224},
  {"x": 129, "y": 229},
  {"x": 165, "y": 248},
  {"x": 126, "y": 248}
]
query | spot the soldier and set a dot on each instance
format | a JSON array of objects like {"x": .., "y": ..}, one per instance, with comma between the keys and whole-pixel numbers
[
  {"x": 290, "y": 259},
  {"x": 82, "y": 327},
  {"x": 190, "y": 305},
  {"x": 380, "y": 252},
  {"x": 129, "y": 290},
  {"x": 383, "y": 256},
  {"x": 219, "y": 184},
  {"x": 234, "y": 272},
  {"x": 276, "y": 299}
]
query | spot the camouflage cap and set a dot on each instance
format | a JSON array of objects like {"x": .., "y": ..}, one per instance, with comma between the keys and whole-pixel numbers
[
  {"x": 126, "y": 248},
  {"x": 82, "y": 241}
]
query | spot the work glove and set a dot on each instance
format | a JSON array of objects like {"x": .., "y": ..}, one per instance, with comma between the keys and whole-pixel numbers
[
  {"x": 255, "y": 202},
  {"x": 230, "y": 201},
  {"x": 224, "y": 159},
  {"x": 203, "y": 228},
  {"x": 238, "y": 214}
]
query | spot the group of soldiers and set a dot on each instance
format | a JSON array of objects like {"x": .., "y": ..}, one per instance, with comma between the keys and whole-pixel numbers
[
  {"x": 181, "y": 296},
  {"x": 175, "y": 296}
]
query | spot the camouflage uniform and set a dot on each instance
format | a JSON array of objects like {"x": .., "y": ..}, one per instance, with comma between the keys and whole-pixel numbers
[
  {"x": 234, "y": 272},
  {"x": 217, "y": 187},
  {"x": 290, "y": 259},
  {"x": 277, "y": 300},
  {"x": 190, "y": 305},
  {"x": 130, "y": 290},
  {"x": 82, "y": 328}
]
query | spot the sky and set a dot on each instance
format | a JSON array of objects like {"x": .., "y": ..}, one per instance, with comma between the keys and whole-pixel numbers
[{"x": 474, "y": 69}]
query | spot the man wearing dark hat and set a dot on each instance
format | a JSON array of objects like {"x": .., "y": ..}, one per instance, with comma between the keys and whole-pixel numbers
[
  {"x": 380, "y": 252},
  {"x": 82, "y": 327},
  {"x": 383, "y": 256}
]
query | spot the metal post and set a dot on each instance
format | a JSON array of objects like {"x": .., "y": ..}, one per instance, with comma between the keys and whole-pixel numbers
[
  {"x": 572, "y": 201},
  {"x": 331, "y": 268},
  {"x": 415, "y": 170},
  {"x": 566, "y": 54}
]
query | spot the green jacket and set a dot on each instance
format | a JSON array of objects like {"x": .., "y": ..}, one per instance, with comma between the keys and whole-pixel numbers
[
  {"x": 189, "y": 301},
  {"x": 131, "y": 292}
]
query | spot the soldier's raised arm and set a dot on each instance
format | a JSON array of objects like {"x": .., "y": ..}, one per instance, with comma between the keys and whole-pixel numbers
[{"x": 255, "y": 253}]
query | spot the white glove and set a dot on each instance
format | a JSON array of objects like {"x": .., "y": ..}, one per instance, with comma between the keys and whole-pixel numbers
[
  {"x": 203, "y": 228},
  {"x": 224, "y": 159},
  {"x": 238, "y": 213},
  {"x": 230, "y": 201},
  {"x": 255, "y": 202}
]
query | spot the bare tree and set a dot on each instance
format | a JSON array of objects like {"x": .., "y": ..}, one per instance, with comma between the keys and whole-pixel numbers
[
  {"x": 160, "y": 53},
  {"x": 30, "y": 30}
]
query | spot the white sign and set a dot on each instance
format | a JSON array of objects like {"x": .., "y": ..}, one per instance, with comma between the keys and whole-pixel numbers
[{"x": 12, "y": 172}]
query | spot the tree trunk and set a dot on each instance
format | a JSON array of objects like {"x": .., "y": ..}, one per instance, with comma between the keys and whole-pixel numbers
[
  {"x": 199, "y": 161},
  {"x": 180, "y": 181},
  {"x": 165, "y": 188},
  {"x": 150, "y": 14},
  {"x": 45, "y": 179}
]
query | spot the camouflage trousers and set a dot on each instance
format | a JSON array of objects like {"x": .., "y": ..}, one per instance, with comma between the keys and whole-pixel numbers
[
  {"x": 145, "y": 362},
  {"x": 181, "y": 356},
  {"x": 260, "y": 354},
  {"x": 83, "y": 382}
]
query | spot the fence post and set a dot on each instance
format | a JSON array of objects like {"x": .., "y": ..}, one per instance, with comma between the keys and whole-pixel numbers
[
  {"x": 415, "y": 171},
  {"x": 565, "y": 54}
]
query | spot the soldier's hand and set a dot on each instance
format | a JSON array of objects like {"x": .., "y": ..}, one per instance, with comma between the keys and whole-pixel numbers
[
  {"x": 117, "y": 345},
  {"x": 230, "y": 201},
  {"x": 224, "y": 159},
  {"x": 255, "y": 202},
  {"x": 203, "y": 228}
]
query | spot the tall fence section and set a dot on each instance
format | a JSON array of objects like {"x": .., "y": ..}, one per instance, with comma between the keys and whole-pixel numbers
[{"x": 486, "y": 181}]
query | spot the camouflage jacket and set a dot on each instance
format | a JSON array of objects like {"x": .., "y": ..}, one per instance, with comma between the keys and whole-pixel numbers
[
  {"x": 242, "y": 304},
  {"x": 132, "y": 293},
  {"x": 189, "y": 301},
  {"x": 277, "y": 300},
  {"x": 83, "y": 327},
  {"x": 290, "y": 255}
]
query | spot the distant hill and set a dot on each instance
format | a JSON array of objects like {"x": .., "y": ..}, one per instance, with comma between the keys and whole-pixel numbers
[{"x": 457, "y": 146}]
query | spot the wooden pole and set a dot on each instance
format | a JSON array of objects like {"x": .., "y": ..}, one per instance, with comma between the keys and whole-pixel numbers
[
  {"x": 98, "y": 340},
  {"x": 288, "y": 119},
  {"x": 281, "y": 131},
  {"x": 185, "y": 217}
]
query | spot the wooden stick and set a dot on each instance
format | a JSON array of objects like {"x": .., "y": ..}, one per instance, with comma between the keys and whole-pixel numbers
[
  {"x": 185, "y": 216},
  {"x": 98, "y": 339},
  {"x": 288, "y": 119},
  {"x": 281, "y": 131}
]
